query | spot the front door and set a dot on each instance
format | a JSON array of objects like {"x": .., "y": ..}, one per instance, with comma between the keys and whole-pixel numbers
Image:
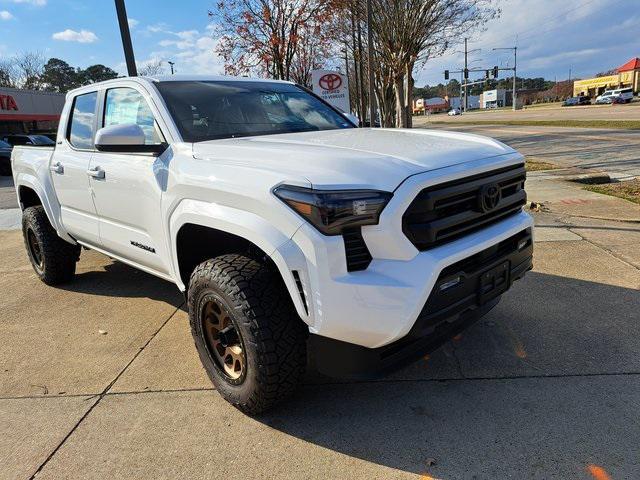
[
  {"x": 128, "y": 190},
  {"x": 69, "y": 165}
]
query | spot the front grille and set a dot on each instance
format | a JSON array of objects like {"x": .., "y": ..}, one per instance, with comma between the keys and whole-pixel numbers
[
  {"x": 442, "y": 213},
  {"x": 357, "y": 253}
]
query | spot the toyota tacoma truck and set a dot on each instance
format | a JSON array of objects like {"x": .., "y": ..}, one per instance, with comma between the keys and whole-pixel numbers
[{"x": 300, "y": 240}]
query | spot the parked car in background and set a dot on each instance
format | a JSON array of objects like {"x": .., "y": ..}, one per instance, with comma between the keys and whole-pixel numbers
[
  {"x": 454, "y": 111},
  {"x": 24, "y": 139},
  {"x": 626, "y": 94},
  {"x": 575, "y": 101},
  {"x": 5, "y": 158}
]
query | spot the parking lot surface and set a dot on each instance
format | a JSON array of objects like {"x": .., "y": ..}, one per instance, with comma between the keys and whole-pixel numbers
[{"x": 100, "y": 379}]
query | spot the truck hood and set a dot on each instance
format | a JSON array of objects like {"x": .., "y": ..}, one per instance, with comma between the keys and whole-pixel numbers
[{"x": 353, "y": 158}]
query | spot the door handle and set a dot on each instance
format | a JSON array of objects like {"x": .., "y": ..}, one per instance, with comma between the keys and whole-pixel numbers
[
  {"x": 57, "y": 168},
  {"x": 96, "y": 173}
]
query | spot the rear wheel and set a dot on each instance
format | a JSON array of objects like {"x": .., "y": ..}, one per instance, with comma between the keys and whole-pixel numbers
[
  {"x": 53, "y": 259},
  {"x": 246, "y": 330}
]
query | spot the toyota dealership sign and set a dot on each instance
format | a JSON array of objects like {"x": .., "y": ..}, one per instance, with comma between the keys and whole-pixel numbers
[{"x": 332, "y": 87}]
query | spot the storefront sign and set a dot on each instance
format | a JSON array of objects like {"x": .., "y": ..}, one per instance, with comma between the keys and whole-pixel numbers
[
  {"x": 332, "y": 87},
  {"x": 7, "y": 102}
]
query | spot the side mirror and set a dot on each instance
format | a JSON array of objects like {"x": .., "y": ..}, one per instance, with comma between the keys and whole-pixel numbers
[
  {"x": 126, "y": 138},
  {"x": 352, "y": 118}
]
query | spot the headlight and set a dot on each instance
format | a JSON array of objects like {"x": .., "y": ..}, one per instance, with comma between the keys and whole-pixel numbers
[{"x": 331, "y": 211}]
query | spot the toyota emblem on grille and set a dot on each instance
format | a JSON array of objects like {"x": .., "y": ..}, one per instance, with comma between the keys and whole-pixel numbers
[{"x": 489, "y": 197}]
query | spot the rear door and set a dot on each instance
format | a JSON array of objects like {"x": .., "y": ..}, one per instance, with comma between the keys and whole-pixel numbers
[
  {"x": 69, "y": 164},
  {"x": 129, "y": 192}
]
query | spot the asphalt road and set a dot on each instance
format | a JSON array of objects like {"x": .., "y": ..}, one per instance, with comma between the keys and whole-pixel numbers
[
  {"x": 613, "y": 151},
  {"x": 630, "y": 111}
]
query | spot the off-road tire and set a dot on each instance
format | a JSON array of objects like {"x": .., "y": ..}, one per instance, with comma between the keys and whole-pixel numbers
[
  {"x": 58, "y": 258},
  {"x": 272, "y": 335}
]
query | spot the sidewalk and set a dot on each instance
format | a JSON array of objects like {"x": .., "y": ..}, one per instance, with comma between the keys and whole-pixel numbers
[{"x": 568, "y": 211}]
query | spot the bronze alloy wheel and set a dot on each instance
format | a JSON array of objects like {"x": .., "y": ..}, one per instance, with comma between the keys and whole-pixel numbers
[
  {"x": 34, "y": 250},
  {"x": 223, "y": 342}
]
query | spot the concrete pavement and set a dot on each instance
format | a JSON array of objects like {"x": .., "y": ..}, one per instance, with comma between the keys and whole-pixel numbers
[{"x": 544, "y": 387}]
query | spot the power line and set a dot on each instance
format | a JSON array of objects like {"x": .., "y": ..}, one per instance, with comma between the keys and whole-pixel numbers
[{"x": 556, "y": 17}]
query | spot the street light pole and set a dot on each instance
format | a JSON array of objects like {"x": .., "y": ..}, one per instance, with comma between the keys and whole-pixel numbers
[
  {"x": 126, "y": 38},
  {"x": 372, "y": 99}
]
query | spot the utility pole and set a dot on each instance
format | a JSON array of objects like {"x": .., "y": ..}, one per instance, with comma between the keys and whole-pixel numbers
[
  {"x": 372, "y": 99},
  {"x": 466, "y": 76},
  {"x": 357, "y": 77},
  {"x": 515, "y": 72},
  {"x": 171, "y": 64},
  {"x": 363, "y": 96},
  {"x": 346, "y": 69},
  {"x": 132, "y": 71}
]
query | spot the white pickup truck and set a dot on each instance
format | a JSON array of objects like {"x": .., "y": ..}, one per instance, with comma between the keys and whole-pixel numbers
[{"x": 298, "y": 238}]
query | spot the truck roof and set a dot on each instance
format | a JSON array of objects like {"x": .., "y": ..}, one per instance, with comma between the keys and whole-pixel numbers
[
  {"x": 209, "y": 78},
  {"x": 175, "y": 78}
]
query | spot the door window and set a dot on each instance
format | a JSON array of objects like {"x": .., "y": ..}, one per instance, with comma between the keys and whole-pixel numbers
[
  {"x": 80, "y": 133},
  {"x": 126, "y": 105}
]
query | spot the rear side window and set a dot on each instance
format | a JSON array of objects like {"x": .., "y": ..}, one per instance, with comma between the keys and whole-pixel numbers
[
  {"x": 82, "y": 120},
  {"x": 126, "y": 105}
]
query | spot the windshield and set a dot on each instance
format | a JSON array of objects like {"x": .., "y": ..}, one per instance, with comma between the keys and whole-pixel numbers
[{"x": 227, "y": 109}]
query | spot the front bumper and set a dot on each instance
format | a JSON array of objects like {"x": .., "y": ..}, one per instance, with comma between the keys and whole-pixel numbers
[
  {"x": 463, "y": 293},
  {"x": 380, "y": 305}
]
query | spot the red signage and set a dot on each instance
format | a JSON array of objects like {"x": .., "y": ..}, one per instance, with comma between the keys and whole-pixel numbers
[
  {"x": 330, "y": 81},
  {"x": 8, "y": 103}
]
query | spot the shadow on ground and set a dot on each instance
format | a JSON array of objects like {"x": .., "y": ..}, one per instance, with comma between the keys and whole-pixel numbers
[
  {"x": 117, "y": 279},
  {"x": 550, "y": 386}
]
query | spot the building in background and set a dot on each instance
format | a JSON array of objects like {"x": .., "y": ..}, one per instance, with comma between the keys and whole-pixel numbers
[
  {"x": 28, "y": 111},
  {"x": 501, "y": 98},
  {"x": 422, "y": 106},
  {"x": 494, "y": 98},
  {"x": 627, "y": 76},
  {"x": 473, "y": 102}
]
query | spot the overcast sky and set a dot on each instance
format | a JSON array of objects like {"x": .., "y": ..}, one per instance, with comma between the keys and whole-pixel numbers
[{"x": 552, "y": 36}]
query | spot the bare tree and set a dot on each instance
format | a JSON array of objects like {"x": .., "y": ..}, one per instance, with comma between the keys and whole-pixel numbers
[
  {"x": 29, "y": 67},
  {"x": 152, "y": 68},
  {"x": 266, "y": 36},
  {"x": 7, "y": 74},
  {"x": 407, "y": 32}
]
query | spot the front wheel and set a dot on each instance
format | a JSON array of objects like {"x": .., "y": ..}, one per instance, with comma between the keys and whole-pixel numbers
[
  {"x": 246, "y": 330},
  {"x": 52, "y": 258}
]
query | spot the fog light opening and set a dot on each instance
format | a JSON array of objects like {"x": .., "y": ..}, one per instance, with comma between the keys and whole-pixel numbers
[{"x": 450, "y": 283}]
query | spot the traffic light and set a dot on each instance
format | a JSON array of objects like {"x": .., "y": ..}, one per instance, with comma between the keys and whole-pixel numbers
[
  {"x": 495, "y": 72},
  {"x": 487, "y": 74},
  {"x": 446, "y": 74},
  {"x": 466, "y": 73}
]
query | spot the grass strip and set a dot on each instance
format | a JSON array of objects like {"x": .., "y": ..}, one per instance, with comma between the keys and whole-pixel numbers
[{"x": 629, "y": 190}]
